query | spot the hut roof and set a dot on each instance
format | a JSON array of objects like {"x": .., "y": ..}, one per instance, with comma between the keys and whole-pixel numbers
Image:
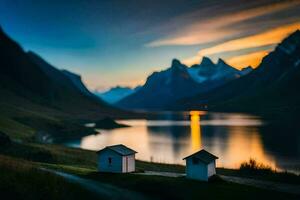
[
  {"x": 120, "y": 149},
  {"x": 203, "y": 156}
]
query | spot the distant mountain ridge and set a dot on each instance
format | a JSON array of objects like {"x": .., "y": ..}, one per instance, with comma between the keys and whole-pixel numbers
[
  {"x": 177, "y": 82},
  {"x": 115, "y": 94}
]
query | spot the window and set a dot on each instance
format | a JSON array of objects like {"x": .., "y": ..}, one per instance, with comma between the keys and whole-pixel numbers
[{"x": 109, "y": 160}]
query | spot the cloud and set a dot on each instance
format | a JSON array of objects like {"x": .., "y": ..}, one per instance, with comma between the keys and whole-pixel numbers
[
  {"x": 253, "y": 59},
  {"x": 269, "y": 37},
  {"x": 217, "y": 28}
]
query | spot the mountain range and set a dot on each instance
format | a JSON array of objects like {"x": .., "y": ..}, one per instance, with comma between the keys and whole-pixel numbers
[
  {"x": 179, "y": 81},
  {"x": 273, "y": 86},
  {"x": 115, "y": 94}
]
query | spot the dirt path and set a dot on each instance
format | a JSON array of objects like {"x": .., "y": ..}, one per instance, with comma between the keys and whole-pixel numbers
[
  {"x": 103, "y": 190},
  {"x": 166, "y": 174},
  {"x": 269, "y": 185}
]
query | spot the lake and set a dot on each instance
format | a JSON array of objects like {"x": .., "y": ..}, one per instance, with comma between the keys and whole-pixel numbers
[{"x": 234, "y": 138}]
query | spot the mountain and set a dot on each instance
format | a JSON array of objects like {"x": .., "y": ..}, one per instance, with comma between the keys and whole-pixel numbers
[
  {"x": 76, "y": 80},
  {"x": 177, "y": 82},
  {"x": 30, "y": 86},
  {"x": 208, "y": 71},
  {"x": 273, "y": 85},
  {"x": 246, "y": 71},
  {"x": 117, "y": 93},
  {"x": 63, "y": 77}
]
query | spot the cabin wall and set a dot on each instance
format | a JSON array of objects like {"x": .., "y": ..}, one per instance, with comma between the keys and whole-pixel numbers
[
  {"x": 196, "y": 171},
  {"x": 128, "y": 163},
  {"x": 105, "y": 166},
  {"x": 211, "y": 168}
]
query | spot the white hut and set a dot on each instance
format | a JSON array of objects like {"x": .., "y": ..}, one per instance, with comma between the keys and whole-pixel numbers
[
  {"x": 200, "y": 165},
  {"x": 117, "y": 159}
]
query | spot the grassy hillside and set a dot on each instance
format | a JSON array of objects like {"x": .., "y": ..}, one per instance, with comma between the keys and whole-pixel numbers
[{"x": 21, "y": 179}]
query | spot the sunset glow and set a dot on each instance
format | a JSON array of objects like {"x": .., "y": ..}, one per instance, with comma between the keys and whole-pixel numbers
[
  {"x": 251, "y": 59},
  {"x": 109, "y": 46},
  {"x": 269, "y": 37}
]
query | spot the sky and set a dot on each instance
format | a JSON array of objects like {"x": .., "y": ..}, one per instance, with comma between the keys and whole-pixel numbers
[{"x": 121, "y": 42}]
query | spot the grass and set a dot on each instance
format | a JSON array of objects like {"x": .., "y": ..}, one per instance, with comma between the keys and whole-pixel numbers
[
  {"x": 15, "y": 130},
  {"x": 79, "y": 161},
  {"x": 255, "y": 170},
  {"x": 52, "y": 154},
  {"x": 252, "y": 166},
  {"x": 21, "y": 179},
  {"x": 159, "y": 167},
  {"x": 158, "y": 187}
]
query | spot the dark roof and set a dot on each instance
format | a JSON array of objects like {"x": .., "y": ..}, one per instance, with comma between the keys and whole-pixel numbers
[
  {"x": 120, "y": 149},
  {"x": 203, "y": 156}
]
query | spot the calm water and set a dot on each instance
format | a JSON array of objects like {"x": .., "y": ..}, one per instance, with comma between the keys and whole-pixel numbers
[{"x": 234, "y": 138}]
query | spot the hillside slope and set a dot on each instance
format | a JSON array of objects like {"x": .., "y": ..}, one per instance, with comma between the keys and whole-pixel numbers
[{"x": 37, "y": 96}]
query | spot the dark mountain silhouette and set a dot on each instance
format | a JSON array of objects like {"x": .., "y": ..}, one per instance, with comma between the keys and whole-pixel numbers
[
  {"x": 177, "y": 82},
  {"x": 76, "y": 80},
  {"x": 26, "y": 77},
  {"x": 273, "y": 85},
  {"x": 246, "y": 70},
  {"x": 63, "y": 77}
]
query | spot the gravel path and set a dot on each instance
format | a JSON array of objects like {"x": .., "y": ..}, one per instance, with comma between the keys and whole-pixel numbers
[
  {"x": 269, "y": 185},
  {"x": 166, "y": 174},
  {"x": 103, "y": 190}
]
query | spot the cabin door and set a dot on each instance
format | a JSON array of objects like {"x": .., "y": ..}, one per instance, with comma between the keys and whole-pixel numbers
[{"x": 126, "y": 164}]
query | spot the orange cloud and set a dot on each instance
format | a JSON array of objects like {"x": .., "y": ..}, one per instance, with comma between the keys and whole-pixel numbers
[
  {"x": 217, "y": 28},
  {"x": 269, "y": 37},
  {"x": 273, "y": 36},
  {"x": 252, "y": 59}
]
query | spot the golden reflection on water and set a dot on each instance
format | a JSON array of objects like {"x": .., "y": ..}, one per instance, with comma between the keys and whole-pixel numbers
[
  {"x": 169, "y": 143},
  {"x": 241, "y": 147},
  {"x": 196, "y": 144}
]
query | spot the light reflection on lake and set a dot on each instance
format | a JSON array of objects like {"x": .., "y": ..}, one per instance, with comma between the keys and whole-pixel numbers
[{"x": 234, "y": 138}]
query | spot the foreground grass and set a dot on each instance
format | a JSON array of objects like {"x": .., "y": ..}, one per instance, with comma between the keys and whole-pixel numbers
[
  {"x": 255, "y": 170},
  {"x": 157, "y": 187},
  {"x": 78, "y": 161},
  {"x": 21, "y": 179}
]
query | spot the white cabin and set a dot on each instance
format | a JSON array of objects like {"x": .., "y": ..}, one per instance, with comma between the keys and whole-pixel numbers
[
  {"x": 200, "y": 165},
  {"x": 116, "y": 159}
]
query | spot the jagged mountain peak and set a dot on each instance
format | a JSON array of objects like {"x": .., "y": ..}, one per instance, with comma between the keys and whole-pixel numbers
[
  {"x": 247, "y": 68},
  {"x": 223, "y": 65},
  {"x": 291, "y": 43},
  {"x": 206, "y": 62},
  {"x": 221, "y": 62},
  {"x": 176, "y": 62}
]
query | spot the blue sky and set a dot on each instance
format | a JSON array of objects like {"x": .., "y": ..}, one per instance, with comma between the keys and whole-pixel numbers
[{"x": 121, "y": 42}]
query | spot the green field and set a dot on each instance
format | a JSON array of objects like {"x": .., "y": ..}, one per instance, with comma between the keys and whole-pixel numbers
[
  {"x": 21, "y": 179},
  {"x": 21, "y": 163}
]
